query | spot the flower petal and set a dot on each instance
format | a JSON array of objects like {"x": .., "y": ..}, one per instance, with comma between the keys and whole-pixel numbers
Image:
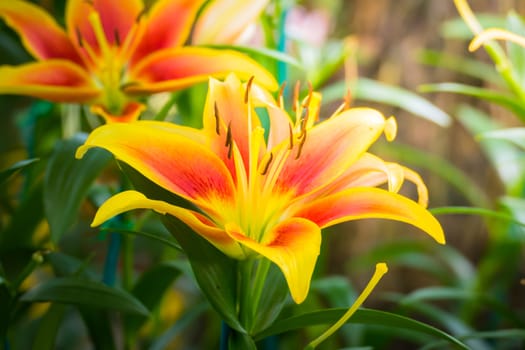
[
  {"x": 173, "y": 69},
  {"x": 168, "y": 155},
  {"x": 117, "y": 18},
  {"x": 39, "y": 32},
  {"x": 53, "y": 80},
  {"x": 223, "y": 21},
  {"x": 329, "y": 149},
  {"x": 130, "y": 200},
  {"x": 294, "y": 246},
  {"x": 363, "y": 203},
  {"x": 168, "y": 24}
]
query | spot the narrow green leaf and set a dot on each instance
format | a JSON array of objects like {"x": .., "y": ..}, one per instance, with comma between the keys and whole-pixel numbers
[
  {"x": 67, "y": 181},
  {"x": 263, "y": 52},
  {"x": 503, "y": 99},
  {"x": 457, "y": 29},
  {"x": 516, "y": 52},
  {"x": 513, "y": 135},
  {"x": 488, "y": 213},
  {"x": 363, "y": 316},
  {"x": 48, "y": 328},
  {"x": 149, "y": 289},
  {"x": 13, "y": 169},
  {"x": 83, "y": 292},
  {"x": 370, "y": 90},
  {"x": 164, "y": 239},
  {"x": 468, "y": 66},
  {"x": 99, "y": 326},
  {"x": 215, "y": 272}
]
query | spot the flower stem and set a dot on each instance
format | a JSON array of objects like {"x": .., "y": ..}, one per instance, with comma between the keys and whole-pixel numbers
[
  {"x": 381, "y": 269},
  {"x": 109, "y": 276},
  {"x": 260, "y": 278}
]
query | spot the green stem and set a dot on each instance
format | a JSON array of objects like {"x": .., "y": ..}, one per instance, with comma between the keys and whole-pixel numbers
[
  {"x": 36, "y": 259},
  {"x": 260, "y": 277}
]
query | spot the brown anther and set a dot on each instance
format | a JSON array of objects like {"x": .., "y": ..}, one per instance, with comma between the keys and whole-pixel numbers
[
  {"x": 309, "y": 97},
  {"x": 348, "y": 100},
  {"x": 304, "y": 119},
  {"x": 79, "y": 37},
  {"x": 228, "y": 135},
  {"x": 267, "y": 165},
  {"x": 291, "y": 137},
  {"x": 281, "y": 94},
  {"x": 128, "y": 84},
  {"x": 302, "y": 140},
  {"x": 141, "y": 14},
  {"x": 248, "y": 88},
  {"x": 216, "y": 114},
  {"x": 229, "y": 140},
  {"x": 116, "y": 35},
  {"x": 296, "y": 95}
]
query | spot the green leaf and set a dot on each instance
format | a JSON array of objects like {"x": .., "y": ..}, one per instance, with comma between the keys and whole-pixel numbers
[
  {"x": 13, "y": 169},
  {"x": 468, "y": 66},
  {"x": 370, "y": 90},
  {"x": 83, "y": 292},
  {"x": 157, "y": 236},
  {"x": 363, "y": 316},
  {"x": 499, "y": 98},
  {"x": 488, "y": 213},
  {"x": 215, "y": 273},
  {"x": 99, "y": 326},
  {"x": 516, "y": 52},
  {"x": 508, "y": 160},
  {"x": 457, "y": 29},
  {"x": 149, "y": 289},
  {"x": 67, "y": 181},
  {"x": 513, "y": 135},
  {"x": 48, "y": 328},
  {"x": 67, "y": 265},
  {"x": 263, "y": 52}
]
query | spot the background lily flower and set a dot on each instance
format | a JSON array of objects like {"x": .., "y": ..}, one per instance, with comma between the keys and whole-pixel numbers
[
  {"x": 265, "y": 193},
  {"x": 114, "y": 51}
]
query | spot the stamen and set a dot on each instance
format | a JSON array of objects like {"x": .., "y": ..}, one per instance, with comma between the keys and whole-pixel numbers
[
  {"x": 248, "y": 88},
  {"x": 291, "y": 137},
  {"x": 216, "y": 114},
  {"x": 267, "y": 164},
  {"x": 280, "y": 100},
  {"x": 116, "y": 36},
  {"x": 306, "y": 102},
  {"x": 79, "y": 37},
  {"x": 302, "y": 140},
  {"x": 296, "y": 95},
  {"x": 141, "y": 14},
  {"x": 348, "y": 100},
  {"x": 229, "y": 135},
  {"x": 229, "y": 140}
]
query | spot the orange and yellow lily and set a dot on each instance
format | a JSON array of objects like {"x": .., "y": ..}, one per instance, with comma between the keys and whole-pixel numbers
[
  {"x": 265, "y": 193},
  {"x": 114, "y": 51}
]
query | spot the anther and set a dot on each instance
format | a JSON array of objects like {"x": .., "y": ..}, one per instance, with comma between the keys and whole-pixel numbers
[
  {"x": 281, "y": 94},
  {"x": 302, "y": 140},
  {"x": 296, "y": 95},
  {"x": 141, "y": 14},
  {"x": 248, "y": 88},
  {"x": 116, "y": 35},
  {"x": 291, "y": 137},
  {"x": 79, "y": 37},
  {"x": 309, "y": 97},
  {"x": 267, "y": 164},
  {"x": 348, "y": 100},
  {"x": 228, "y": 135},
  {"x": 216, "y": 114}
]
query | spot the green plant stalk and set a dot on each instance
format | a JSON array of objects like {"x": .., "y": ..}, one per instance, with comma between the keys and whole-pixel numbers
[
  {"x": 36, "y": 260},
  {"x": 260, "y": 277}
]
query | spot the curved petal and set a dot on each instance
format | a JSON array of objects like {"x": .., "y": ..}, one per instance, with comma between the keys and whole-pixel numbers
[
  {"x": 174, "y": 69},
  {"x": 53, "y": 80},
  {"x": 329, "y": 149},
  {"x": 39, "y": 32},
  {"x": 365, "y": 203},
  {"x": 130, "y": 200},
  {"x": 294, "y": 246},
  {"x": 223, "y": 21},
  {"x": 117, "y": 18},
  {"x": 168, "y": 24},
  {"x": 169, "y": 157},
  {"x": 131, "y": 112}
]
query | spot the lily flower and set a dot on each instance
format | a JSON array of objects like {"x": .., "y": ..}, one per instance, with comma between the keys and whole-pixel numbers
[
  {"x": 265, "y": 192},
  {"x": 112, "y": 52}
]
